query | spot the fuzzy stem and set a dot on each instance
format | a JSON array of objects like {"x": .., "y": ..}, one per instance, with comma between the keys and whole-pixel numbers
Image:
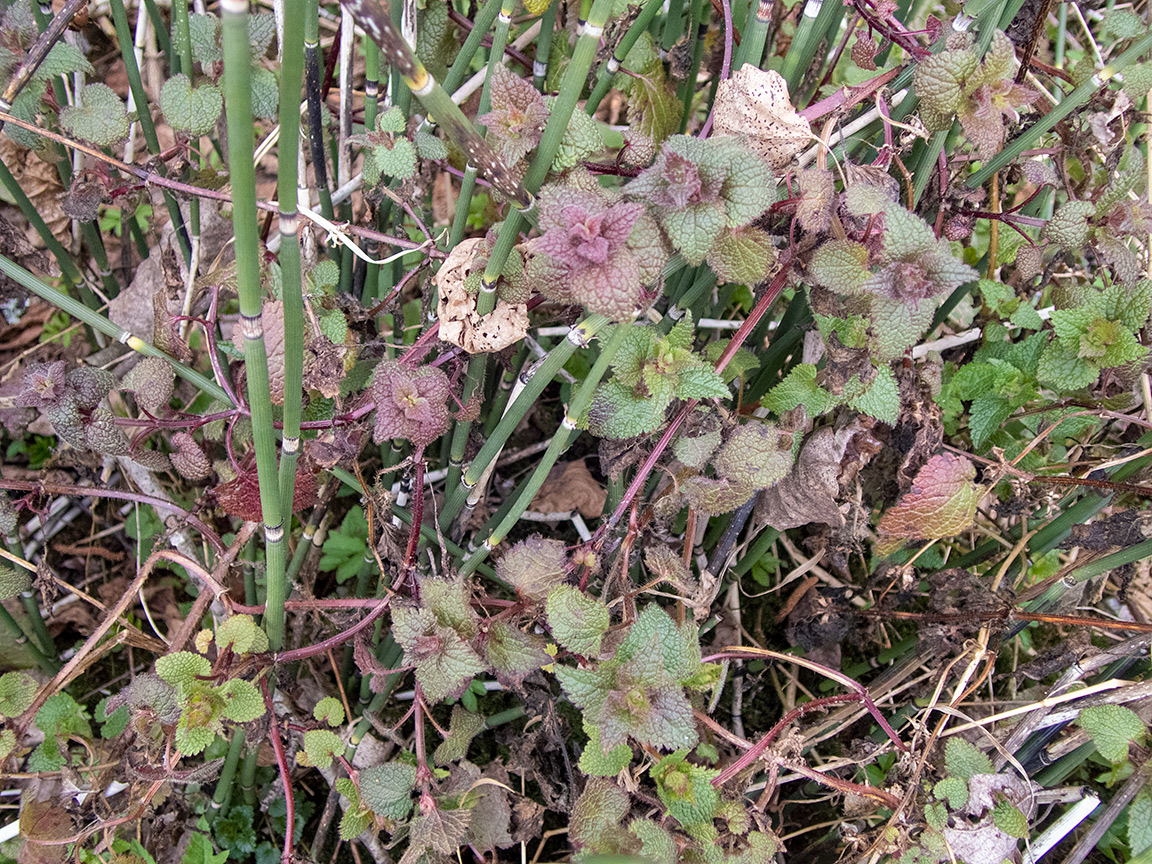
[{"x": 241, "y": 167}]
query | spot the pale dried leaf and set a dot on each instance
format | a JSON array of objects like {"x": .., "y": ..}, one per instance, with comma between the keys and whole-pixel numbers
[
  {"x": 755, "y": 103},
  {"x": 570, "y": 486},
  {"x": 460, "y": 323}
]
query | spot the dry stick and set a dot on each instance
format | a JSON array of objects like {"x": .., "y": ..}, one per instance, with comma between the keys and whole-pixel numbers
[
  {"x": 39, "y": 51},
  {"x": 42, "y": 488},
  {"x": 187, "y": 188},
  {"x": 77, "y": 664},
  {"x": 184, "y": 631}
]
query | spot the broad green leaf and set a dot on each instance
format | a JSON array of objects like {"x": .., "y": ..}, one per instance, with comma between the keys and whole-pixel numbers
[
  {"x": 321, "y": 746},
  {"x": 962, "y": 759},
  {"x": 100, "y": 117},
  {"x": 329, "y": 710},
  {"x": 954, "y": 790},
  {"x": 595, "y": 762},
  {"x": 1112, "y": 728},
  {"x": 182, "y": 669},
  {"x": 578, "y": 622},
  {"x": 462, "y": 728},
  {"x": 243, "y": 702},
  {"x": 387, "y": 789},
  {"x": 1008, "y": 818},
  {"x": 190, "y": 110},
  {"x": 199, "y": 851},
  {"x": 1140, "y": 821},
  {"x": 17, "y": 692}
]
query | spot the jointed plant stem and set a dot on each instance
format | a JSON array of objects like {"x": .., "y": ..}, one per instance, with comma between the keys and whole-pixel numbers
[{"x": 241, "y": 165}]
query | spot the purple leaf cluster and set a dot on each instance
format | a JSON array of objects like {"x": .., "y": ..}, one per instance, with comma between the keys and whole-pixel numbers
[{"x": 411, "y": 404}]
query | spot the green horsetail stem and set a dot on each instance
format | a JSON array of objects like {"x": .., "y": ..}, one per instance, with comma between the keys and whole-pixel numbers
[
  {"x": 558, "y": 445},
  {"x": 242, "y": 171},
  {"x": 288, "y": 149},
  {"x": 607, "y": 72},
  {"x": 373, "y": 18}
]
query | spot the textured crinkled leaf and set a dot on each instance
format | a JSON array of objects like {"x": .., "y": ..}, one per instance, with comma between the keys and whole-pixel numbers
[
  {"x": 700, "y": 381},
  {"x": 411, "y": 404},
  {"x": 882, "y": 398},
  {"x": 1068, "y": 228},
  {"x": 17, "y": 691},
  {"x": 205, "y": 32},
  {"x": 582, "y": 139},
  {"x": 755, "y": 103},
  {"x": 840, "y": 265},
  {"x": 1063, "y": 370},
  {"x": 756, "y": 456},
  {"x": 686, "y": 789},
  {"x": 329, "y": 710},
  {"x": 656, "y": 843},
  {"x": 242, "y": 701},
  {"x": 152, "y": 380},
  {"x": 240, "y": 496},
  {"x": 103, "y": 435},
  {"x": 695, "y": 451},
  {"x": 512, "y": 653},
  {"x": 1140, "y": 821},
  {"x": 243, "y": 634},
  {"x": 799, "y": 388},
  {"x": 1008, "y": 818},
  {"x": 353, "y": 823},
  {"x": 743, "y": 255},
  {"x": 444, "y": 661},
  {"x": 63, "y": 59},
  {"x": 1137, "y": 83},
  {"x": 8, "y": 519},
  {"x": 1112, "y": 728},
  {"x": 261, "y": 32},
  {"x": 578, "y": 622},
  {"x": 265, "y": 93},
  {"x": 188, "y": 459},
  {"x": 954, "y": 790},
  {"x": 191, "y": 740},
  {"x": 100, "y": 117},
  {"x": 518, "y": 115},
  {"x": 440, "y": 829},
  {"x": 448, "y": 601},
  {"x": 321, "y": 746},
  {"x": 191, "y": 110},
  {"x": 694, "y": 230},
  {"x": 7, "y": 742},
  {"x": 397, "y": 161},
  {"x": 941, "y": 503},
  {"x": 749, "y": 188},
  {"x": 618, "y": 412},
  {"x": 988, "y": 412},
  {"x": 462, "y": 728},
  {"x": 13, "y": 581},
  {"x": 534, "y": 566},
  {"x": 897, "y": 325},
  {"x": 429, "y": 146},
  {"x": 939, "y": 82},
  {"x": 677, "y": 649},
  {"x": 387, "y": 789},
  {"x": 596, "y": 815},
  {"x": 89, "y": 386},
  {"x": 653, "y": 109},
  {"x": 596, "y": 762},
  {"x": 182, "y": 669}
]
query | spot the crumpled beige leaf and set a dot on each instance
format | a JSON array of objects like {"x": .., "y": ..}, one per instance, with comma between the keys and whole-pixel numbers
[
  {"x": 755, "y": 103},
  {"x": 570, "y": 486},
  {"x": 460, "y": 323}
]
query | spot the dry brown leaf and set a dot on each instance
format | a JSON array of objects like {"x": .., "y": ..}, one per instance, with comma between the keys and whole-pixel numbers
[
  {"x": 755, "y": 103},
  {"x": 570, "y": 486},
  {"x": 41, "y": 183},
  {"x": 460, "y": 323}
]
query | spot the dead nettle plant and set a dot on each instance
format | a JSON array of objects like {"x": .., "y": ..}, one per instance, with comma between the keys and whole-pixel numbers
[{"x": 458, "y": 285}]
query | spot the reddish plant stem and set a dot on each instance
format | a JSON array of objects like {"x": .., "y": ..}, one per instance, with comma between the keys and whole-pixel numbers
[
  {"x": 751, "y": 755},
  {"x": 333, "y": 641},
  {"x": 726, "y": 64},
  {"x": 423, "y": 774},
  {"x": 417, "y": 515},
  {"x": 758, "y": 312},
  {"x": 331, "y": 603},
  {"x": 41, "y": 488},
  {"x": 285, "y": 778}
]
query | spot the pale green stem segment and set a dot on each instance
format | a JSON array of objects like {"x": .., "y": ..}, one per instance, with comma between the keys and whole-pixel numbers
[
  {"x": 607, "y": 72},
  {"x": 288, "y": 149},
  {"x": 538, "y": 378},
  {"x": 1068, "y": 104},
  {"x": 560, "y": 441},
  {"x": 753, "y": 36},
  {"x": 463, "y": 62},
  {"x": 242, "y": 171},
  {"x": 815, "y": 20},
  {"x": 227, "y": 774},
  {"x": 97, "y": 321},
  {"x": 140, "y": 98},
  {"x": 544, "y": 47}
]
